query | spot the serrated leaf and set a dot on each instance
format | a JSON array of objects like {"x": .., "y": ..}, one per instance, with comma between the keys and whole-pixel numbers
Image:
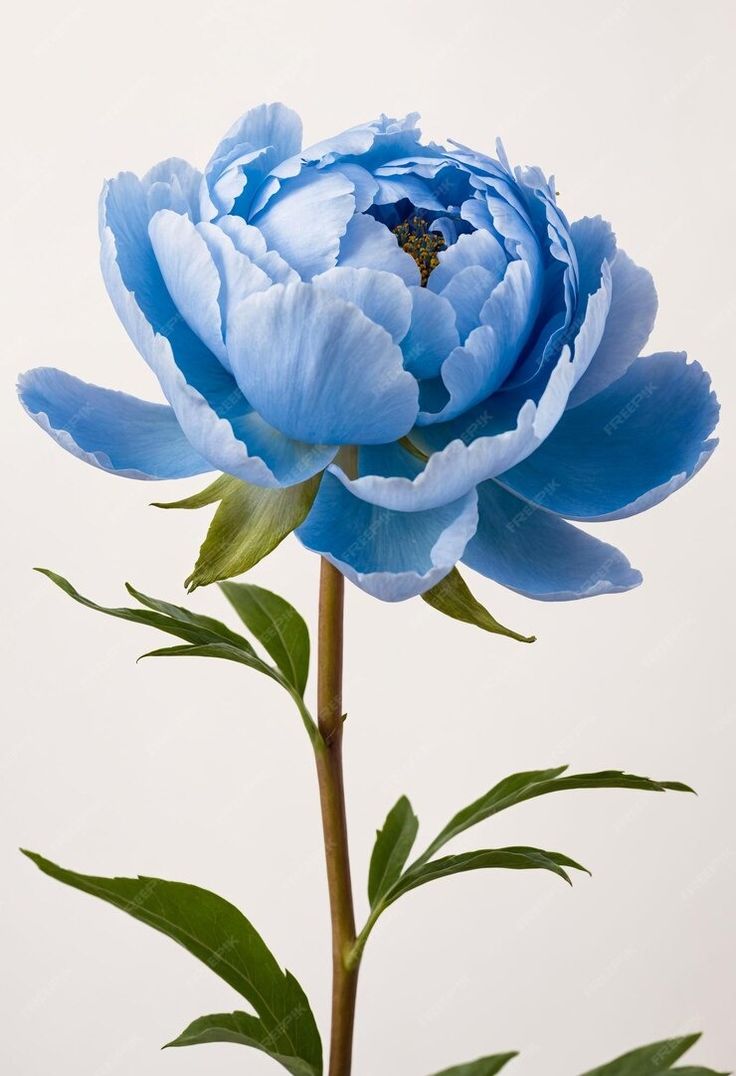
[
  {"x": 484, "y": 1066},
  {"x": 248, "y": 524},
  {"x": 277, "y": 626},
  {"x": 532, "y": 783},
  {"x": 172, "y": 619},
  {"x": 219, "y": 935},
  {"x": 515, "y": 858},
  {"x": 452, "y": 596},
  {"x": 390, "y": 852},
  {"x": 655, "y": 1060}
]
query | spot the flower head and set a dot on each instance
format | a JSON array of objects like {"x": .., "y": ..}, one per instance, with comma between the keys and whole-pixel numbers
[{"x": 430, "y": 307}]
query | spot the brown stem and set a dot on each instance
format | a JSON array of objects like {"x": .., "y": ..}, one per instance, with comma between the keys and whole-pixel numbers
[{"x": 328, "y": 752}]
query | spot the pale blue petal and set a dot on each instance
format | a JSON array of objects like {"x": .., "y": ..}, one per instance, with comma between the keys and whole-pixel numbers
[
  {"x": 261, "y": 139},
  {"x": 307, "y": 220},
  {"x": 174, "y": 184},
  {"x": 317, "y": 369},
  {"x": 477, "y": 248},
  {"x": 535, "y": 553},
  {"x": 369, "y": 244},
  {"x": 627, "y": 448},
  {"x": 475, "y": 371},
  {"x": 629, "y": 322},
  {"x": 468, "y": 291},
  {"x": 383, "y": 297},
  {"x": 248, "y": 240},
  {"x": 108, "y": 429},
  {"x": 490, "y": 439},
  {"x": 391, "y": 555},
  {"x": 206, "y": 400},
  {"x": 432, "y": 334}
]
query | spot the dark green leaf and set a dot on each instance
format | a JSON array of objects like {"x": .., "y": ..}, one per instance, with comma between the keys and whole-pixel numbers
[
  {"x": 452, "y": 597},
  {"x": 277, "y": 626},
  {"x": 525, "y": 786},
  {"x": 393, "y": 844},
  {"x": 248, "y": 524},
  {"x": 219, "y": 935},
  {"x": 655, "y": 1060},
  {"x": 245, "y": 1030},
  {"x": 516, "y": 858},
  {"x": 172, "y": 619},
  {"x": 484, "y": 1066}
]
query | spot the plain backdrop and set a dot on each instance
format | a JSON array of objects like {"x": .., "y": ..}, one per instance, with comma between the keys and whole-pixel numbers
[{"x": 201, "y": 772}]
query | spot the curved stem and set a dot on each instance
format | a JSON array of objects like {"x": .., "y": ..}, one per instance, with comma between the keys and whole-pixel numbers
[{"x": 328, "y": 753}]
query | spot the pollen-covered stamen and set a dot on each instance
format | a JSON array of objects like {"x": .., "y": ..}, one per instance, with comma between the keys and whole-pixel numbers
[{"x": 423, "y": 245}]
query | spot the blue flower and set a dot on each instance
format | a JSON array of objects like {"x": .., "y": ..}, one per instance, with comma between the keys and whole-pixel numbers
[{"x": 429, "y": 305}]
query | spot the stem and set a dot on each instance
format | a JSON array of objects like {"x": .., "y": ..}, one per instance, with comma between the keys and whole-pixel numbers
[{"x": 328, "y": 753}]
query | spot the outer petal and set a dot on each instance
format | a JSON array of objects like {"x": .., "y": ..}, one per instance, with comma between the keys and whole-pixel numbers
[
  {"x": 391, "y": 555},
  {"x": 318, "y": 369},
  {"x": 110, "y": 430},
  {"x": 369, "y": 244},
  {"x": 382, "y": 297},
  {"x": 208, "y": 405},
  {"x": 305, "y": 221},
  {"x": 627, "y": 448},
  {"x": 628, "y": 325},
  {"x": 538, "y": 554}
]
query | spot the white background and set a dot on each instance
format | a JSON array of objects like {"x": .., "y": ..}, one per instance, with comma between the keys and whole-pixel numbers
[{"x": 203, "y": 773}]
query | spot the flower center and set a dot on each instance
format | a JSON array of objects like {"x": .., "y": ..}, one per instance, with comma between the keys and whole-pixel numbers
[{"x": 415, "y": 238}]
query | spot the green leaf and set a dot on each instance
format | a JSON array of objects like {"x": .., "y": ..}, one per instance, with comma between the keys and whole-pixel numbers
[
  {"x": 527, "y": 785},
  {"x": 277, "y": 626},
  {"x": 172, "y": 619},
  {"x": 219, "y": 935},
  {"x": 244, "y": 1029},
  {"x": 248, "y": 524},
  {"x": 655, "y": 1060},
  {"x": 216, "y": 650},
  {"x": 484, "y": 1066},
  {"x": 516, "y": 858},
  {"x": 452, "y": 597},
  {"x": 393, "y": 844}
]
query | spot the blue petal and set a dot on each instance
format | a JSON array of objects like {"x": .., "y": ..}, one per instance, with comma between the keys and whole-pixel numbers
[
  {"x": 491, "y": 438},
  {"x": 478, "y": 368},
  {"x": 627, "y": 448},
  {"x": 261, "y": 139},
  {"x": 369, "y": 244},
  {"x": 204, "y": 274},
  {"x": 629, "y": 322},
  {"x": 468, "y": 292},
  {"x": 110, "y": 430},
  {"x": 478, "y": 248},
  {"x": 391, "y": 555},
  {"x": 432, "y": 334},
  {"x": 305, "y": 222},
  {"x": 531, "y": 551},
  {"x": 382, "y": 297},
  {"x": 317, "y": 369},
  {"x": 174, "y": 184},
  {"x": 208, "y": 404}
]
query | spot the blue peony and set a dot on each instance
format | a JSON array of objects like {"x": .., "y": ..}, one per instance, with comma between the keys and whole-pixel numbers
[{"x": 420, "y": 325}]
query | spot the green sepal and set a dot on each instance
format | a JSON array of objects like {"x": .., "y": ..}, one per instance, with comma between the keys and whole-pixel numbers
[
  {"x": 655, "y": 1060},
  {"x": 218, "y": 934},
  {"x": 249, "y": 523},
  {"x": 484, "y": 1066},
  {"x": 390, "y": 852},
  {"x": 276, "y": 625},
  {"x": 452, "y": 596}
]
